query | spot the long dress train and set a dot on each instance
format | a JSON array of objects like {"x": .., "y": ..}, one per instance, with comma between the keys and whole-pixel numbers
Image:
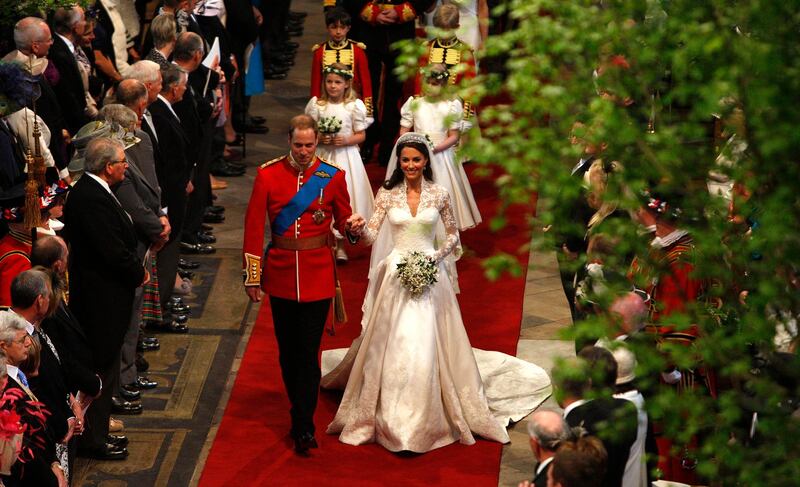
[{"x": 411, "y": 380}]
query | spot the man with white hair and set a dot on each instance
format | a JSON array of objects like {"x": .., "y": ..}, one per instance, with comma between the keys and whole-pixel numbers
[
  {"x": 73, "y": 66},
  {"x": 149, "y": 74},
  {"x": 547, "y": 430},
  {"x": 104, "y": 272}
]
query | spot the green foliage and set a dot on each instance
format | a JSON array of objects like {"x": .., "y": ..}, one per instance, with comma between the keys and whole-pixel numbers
[
  {"x": 675, "y": 67},
  {"x": 11, "y": 12}
]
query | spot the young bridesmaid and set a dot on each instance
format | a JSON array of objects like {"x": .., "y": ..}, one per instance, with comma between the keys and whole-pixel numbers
[
  {"x": 440, "y": 120},
  {"x": 340, "y": 105}
]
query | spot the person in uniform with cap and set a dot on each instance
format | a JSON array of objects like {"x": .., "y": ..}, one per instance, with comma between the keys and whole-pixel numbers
[{"x": 303, "y": 197}]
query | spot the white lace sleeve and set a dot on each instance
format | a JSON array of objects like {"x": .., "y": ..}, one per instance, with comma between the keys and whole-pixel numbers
[
  {"x": 450, "y": 226},
  {"x": 407, "y": 114},
  {"x": 382, "y": 204},
  {"x": 312, "y": 109},
  {"x": 359, "y": 116}
]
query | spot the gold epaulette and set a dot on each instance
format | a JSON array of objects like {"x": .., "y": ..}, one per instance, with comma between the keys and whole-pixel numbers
[
  {"x": 273, "y": 161},
  {"x": 330, "y": 163},
  {"x": 359, "y": 44},
  {"x": 317, "y": 46}
]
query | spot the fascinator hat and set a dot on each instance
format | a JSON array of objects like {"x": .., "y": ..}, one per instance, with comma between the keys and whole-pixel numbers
[{"x": 93, "y": 130}]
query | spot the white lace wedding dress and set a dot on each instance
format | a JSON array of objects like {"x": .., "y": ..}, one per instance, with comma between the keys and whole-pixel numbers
[{"x": 412, "y": 381}]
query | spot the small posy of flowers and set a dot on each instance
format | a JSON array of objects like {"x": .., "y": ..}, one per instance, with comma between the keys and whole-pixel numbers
[
  {"x": 329, "y": 125},
  {"x": 417, "y": 272}
]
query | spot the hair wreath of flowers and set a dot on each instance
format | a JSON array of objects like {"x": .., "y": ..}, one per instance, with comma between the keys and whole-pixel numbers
[
  {"x": 344, "y": 73},
  {"x": 436, "y": 74}
]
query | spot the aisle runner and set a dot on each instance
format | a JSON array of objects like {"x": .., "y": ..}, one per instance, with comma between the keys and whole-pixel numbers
[{"x": 253, "y": 447}]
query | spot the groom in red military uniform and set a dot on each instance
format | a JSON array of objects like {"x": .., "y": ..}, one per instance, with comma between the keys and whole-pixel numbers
[{"x": 302, "y": 195}]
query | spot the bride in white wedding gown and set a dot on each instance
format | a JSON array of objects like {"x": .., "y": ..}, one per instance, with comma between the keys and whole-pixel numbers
[{"x": 412, "y": 381}]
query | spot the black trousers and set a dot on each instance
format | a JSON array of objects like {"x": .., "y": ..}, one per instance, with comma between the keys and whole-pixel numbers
[
  {"x": 298, "y": 329},
  {"x": 384, "y": 131},
  {"x": 95, "y": 434}
]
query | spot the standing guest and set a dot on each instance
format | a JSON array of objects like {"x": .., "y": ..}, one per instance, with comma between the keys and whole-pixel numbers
[
  {"x": 548, "y": 431},
  {"x": 579, "y": 464},
  {"x": 173, "y": 170},
  {"x": 299, "y": 268},
  {"x": 63, "y": 329},
  {"x": 104, "y": 273},
  {"x": 340, "y": 49},
  {"x": 163, "y": 30},
  {"x": 38, "y": 465},
  {"x": 34, "y": 300},
  {"x": 72, "y": 65},
  {"x": 588, "y": 403}
]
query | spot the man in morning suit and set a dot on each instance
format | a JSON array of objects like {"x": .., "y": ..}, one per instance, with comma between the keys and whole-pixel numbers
[
  {"x": 547, "y": 430},
  {"x": 67, "y": 26},
  {"x": 298, "y": 270},
  {"x": 104, "y": 273}
]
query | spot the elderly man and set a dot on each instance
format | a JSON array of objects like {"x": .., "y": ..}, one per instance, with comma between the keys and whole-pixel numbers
[
  {"x": 104, "y": 274},
  {"x": 299, "y": 275},
  {"x": 72, "y": 65},
  {"x": 174, "y": 174},
  {"x": 149, "y": 74},
  {"x": 40, "y": 466},
  {"x": 547, "y": 430}
]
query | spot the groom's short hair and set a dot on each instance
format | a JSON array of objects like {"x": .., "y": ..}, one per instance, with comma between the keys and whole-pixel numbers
[{"x": 302, "y": 122}]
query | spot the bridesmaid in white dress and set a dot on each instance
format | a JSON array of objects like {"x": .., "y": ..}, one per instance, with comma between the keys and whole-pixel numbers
[
  {"x": 412, "y": 381},
  {"x": 441, "y": 121},
  {"x": 339, "y": 100}
]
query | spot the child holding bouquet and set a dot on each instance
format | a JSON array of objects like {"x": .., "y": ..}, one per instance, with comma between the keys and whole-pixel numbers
[{"x": 342, "y": 120}]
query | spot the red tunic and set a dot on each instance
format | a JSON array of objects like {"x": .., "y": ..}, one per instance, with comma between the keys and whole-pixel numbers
[
  {"x": 300, "y": 275},
  {"x": 352, "y": 55},
  {"x": 458, "y": 58},
  {"x": 15, "y": 251}
]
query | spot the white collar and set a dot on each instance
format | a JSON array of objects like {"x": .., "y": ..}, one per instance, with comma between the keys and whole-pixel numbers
[
  {"x": 298, "y": 167},
  {"x": 13, "y": 372},
  {"x": 544, "y": 463},
  {"x": 169, "y": 105},
  {"x": 99, "y": 180},
  {"x": 68, "y": 42},
  {"x": 28, "y": 325},
  {"x": 579, "y": 402}
]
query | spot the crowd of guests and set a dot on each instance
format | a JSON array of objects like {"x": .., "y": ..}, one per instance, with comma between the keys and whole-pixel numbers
[{"x": 114, "y": 121}]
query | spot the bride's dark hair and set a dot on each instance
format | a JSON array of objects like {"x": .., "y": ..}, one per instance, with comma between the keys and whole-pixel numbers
[{"x": 397, "y": 176}]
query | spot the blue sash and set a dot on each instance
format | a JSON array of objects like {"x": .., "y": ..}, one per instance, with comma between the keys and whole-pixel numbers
[{"x": 302, "y": 199}]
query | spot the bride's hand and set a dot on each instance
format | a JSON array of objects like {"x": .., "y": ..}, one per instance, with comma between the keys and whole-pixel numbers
[{"x": 355, "y": 224}]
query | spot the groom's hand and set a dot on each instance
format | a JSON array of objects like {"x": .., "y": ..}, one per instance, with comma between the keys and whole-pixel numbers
[{"x": 355, "y": 224}]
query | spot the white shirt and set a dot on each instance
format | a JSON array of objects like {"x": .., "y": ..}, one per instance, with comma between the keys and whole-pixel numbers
[
  {"x": 102, "y": 183},
  {"x": 13, "y": 372},
  {"x": 635, "y": 474},
  {"x": 28, "y": 326},
  {"x": 568, "y": 409},
  {"x": 169, "y": 105},
  {"x": 542, "y": 465}
]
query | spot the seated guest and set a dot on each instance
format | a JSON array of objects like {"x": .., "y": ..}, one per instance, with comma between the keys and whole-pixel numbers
[
  {"x": 39, "y": 466},
  {"x": 547, "y": 430},
  {"x": 580, "y": 463},
  {"x": 587, "y": 400}
]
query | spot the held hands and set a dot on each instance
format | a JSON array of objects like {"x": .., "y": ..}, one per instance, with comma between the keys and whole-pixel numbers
[{"x": 355, "y": 224}]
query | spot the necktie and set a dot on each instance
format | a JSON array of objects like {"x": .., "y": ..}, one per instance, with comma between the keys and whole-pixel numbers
[
  {"x": 22, "y": 379},
  {"x": 82, "y": 60}
]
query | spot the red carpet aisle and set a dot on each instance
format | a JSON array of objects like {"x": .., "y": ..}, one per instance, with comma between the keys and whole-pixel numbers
[{"x": 252, "y": 446}]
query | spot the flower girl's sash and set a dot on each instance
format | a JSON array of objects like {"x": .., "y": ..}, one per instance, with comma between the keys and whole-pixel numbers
[{"x": 310, "y": 190}]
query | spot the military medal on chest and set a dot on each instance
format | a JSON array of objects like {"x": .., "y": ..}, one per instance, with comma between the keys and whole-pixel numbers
[{"x": 319, "y": 215}]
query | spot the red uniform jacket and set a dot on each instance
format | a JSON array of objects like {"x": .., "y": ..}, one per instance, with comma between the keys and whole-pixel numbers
[
  {"x": 15, "y": 251},
  {"x": 351, "y": 54},
  {"x": 300, "y": 275},
  {"x": 458, "y": 58}
]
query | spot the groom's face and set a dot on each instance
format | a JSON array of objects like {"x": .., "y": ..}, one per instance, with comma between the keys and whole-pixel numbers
[{"x": 303, "y": 144}]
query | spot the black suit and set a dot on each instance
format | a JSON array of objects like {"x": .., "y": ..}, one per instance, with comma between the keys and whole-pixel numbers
[
  {"x": 69, "y": 88},
  {"x": 35, "y": 471},
  {"x": 51, "y": 388},
  {"x": 540, "y": 479},
  {"x": 104, "y": 274},
  {"x": 68, "y": 335},
  {"x": 614, "y": 422}
]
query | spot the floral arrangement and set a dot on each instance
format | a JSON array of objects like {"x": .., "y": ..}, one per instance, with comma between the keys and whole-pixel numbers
[
  {"x": 417, "y": 272},
  {"x": 329, "y": 125}
]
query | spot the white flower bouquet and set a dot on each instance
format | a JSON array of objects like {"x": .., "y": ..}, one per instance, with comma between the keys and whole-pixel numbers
[
  {"x": 417, "y": 272},
  {"x": 329, "y": 125}
]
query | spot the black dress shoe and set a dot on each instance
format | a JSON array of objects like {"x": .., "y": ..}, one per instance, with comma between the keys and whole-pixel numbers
[
  {"x": 213, "y": 218},
  {"x": 204, "y": 238},
  {"x": 295, "y": 32},
  {"x": 168, "y": 327},
  {"x": 120, "y": 441},
  {"x": 180, "y": 319},
  {"x": 105, "y": 452},
  {"x": 142, "y": 365},
  {"x": 257, "y": 120},
  {"x": 142, "y": 382},
  {"x": 130, "y": 395},
  {"x": 178, "y": 307},
  {"x": 185, "y": 274},
  {"x": 274, "y": 76},
  {"x": 151, "y": 340},
  {"x": 239, "y": 166},
  {"x": 303, "y": 442},
  {"x": 141, "y": 346},
  {"x": 226, "y": 171},
  {"x": 188, "y": 264},
  {"x": 216, "y": 209},
  {"x": 205, "y": 228},
  {"x": 273, "y": 67},
  {"x": 193, "y": 249},
  {"x": 121, "y": 406},
  {"x": 297, "y": 15}
]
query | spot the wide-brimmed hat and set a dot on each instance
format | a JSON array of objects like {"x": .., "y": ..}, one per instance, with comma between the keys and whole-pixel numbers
[{"x": 94, "y": 130}]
